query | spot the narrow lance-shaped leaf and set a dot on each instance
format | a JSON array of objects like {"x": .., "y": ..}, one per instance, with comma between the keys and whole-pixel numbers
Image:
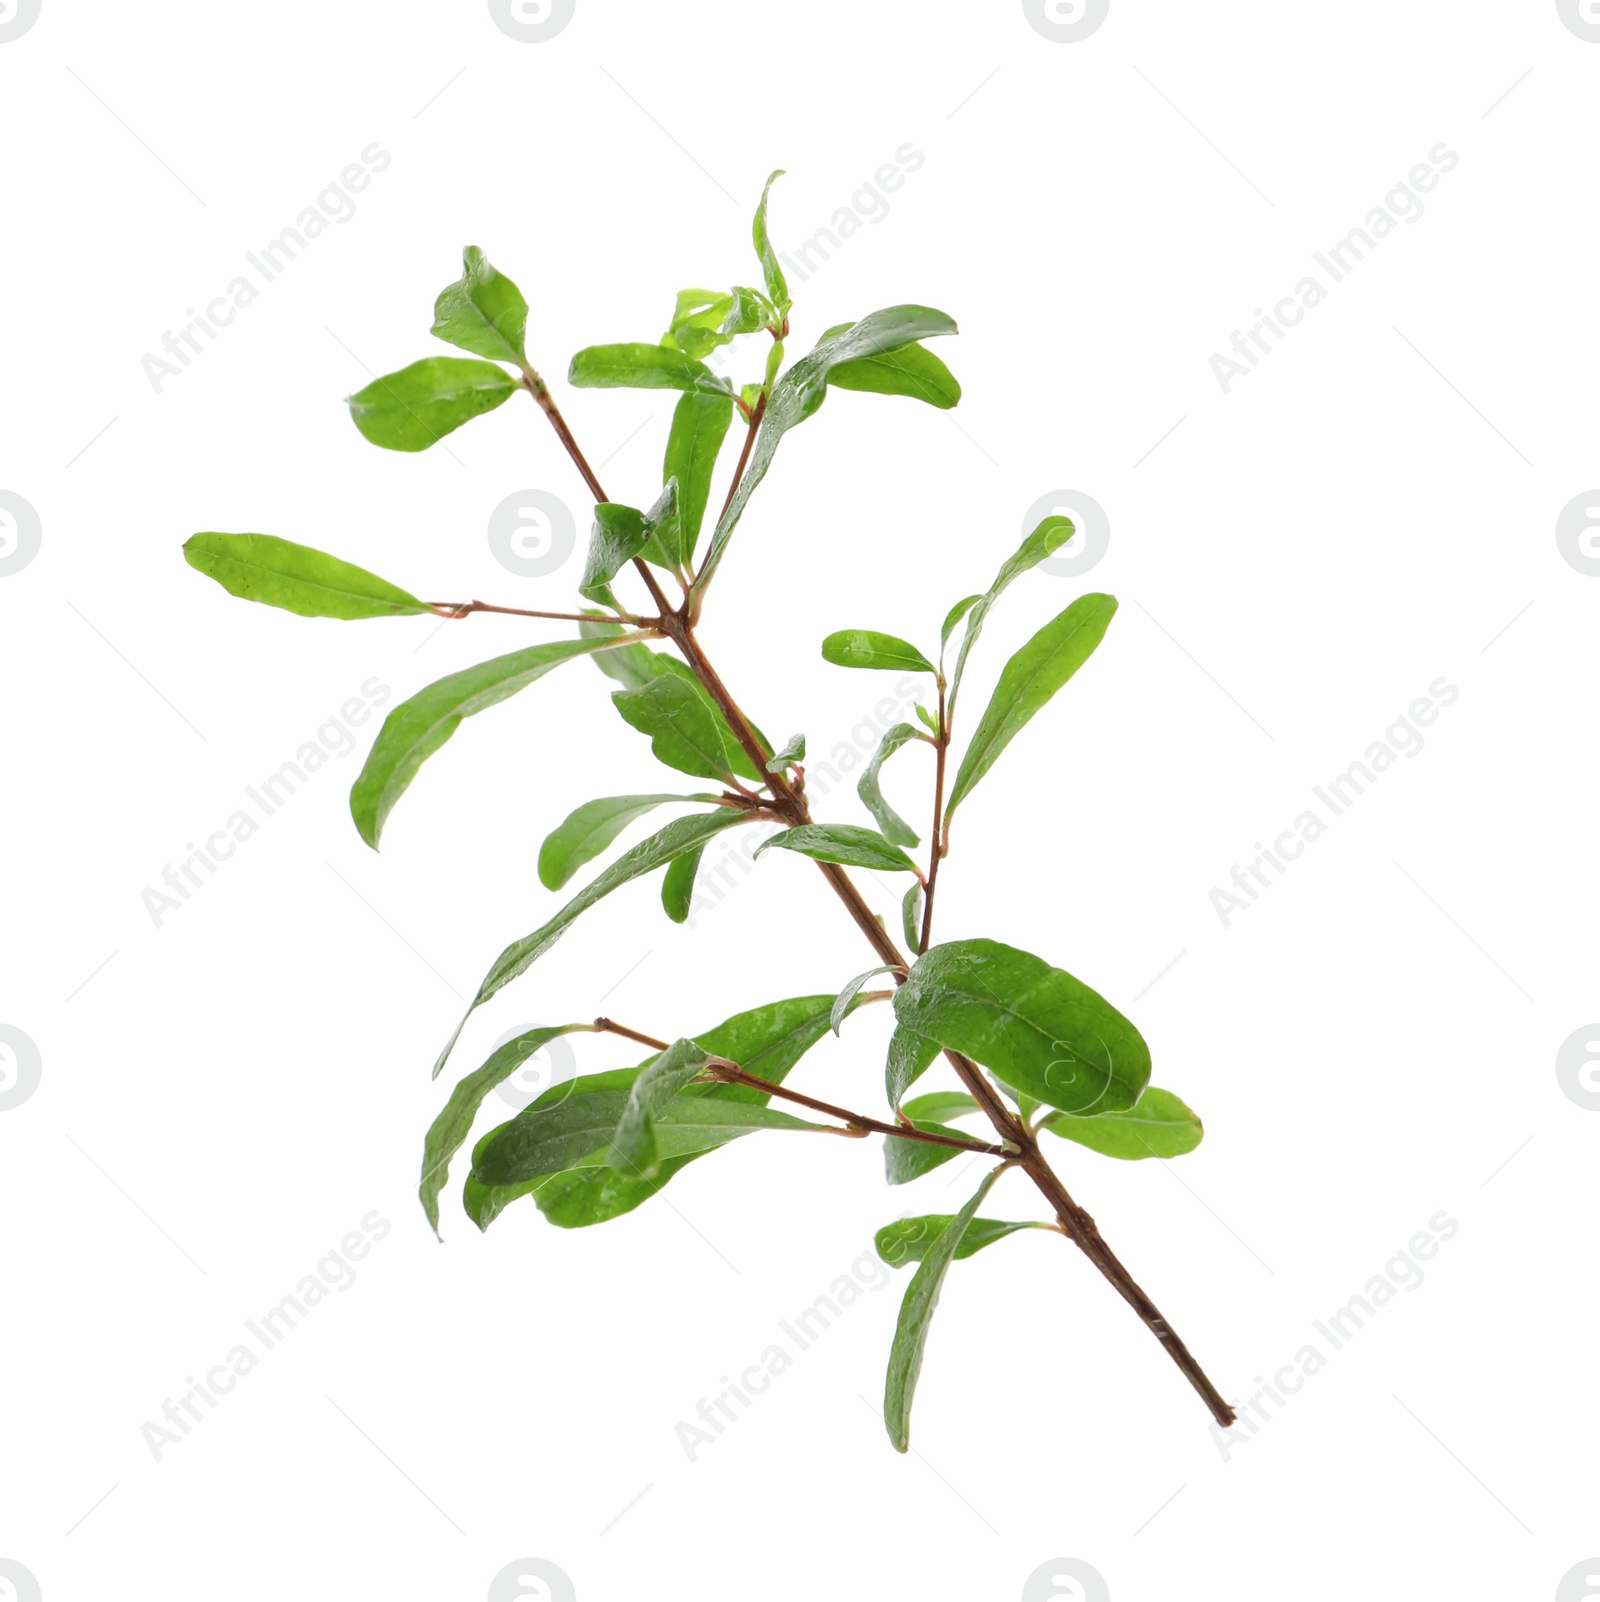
[
  {"x": 296, "y": 578},
  {"x": 844, "y": 843},
  {"x": 869, "y": 787},
  {"x": 677, "y": 885},
  {"x": 842, "y": 1001},
  {"x": 913, "y": 371},
  {"x": 483, "y": 311},
  {"x": 911, "y": 917},
  {"x": 453, "y": 1125},
  {"x": 867, "y": 648},
  {"x": 685, "y": 729},
  {"x": 797, "y": 395},
  {"x": 699, "y": 426},
  {"x": 777, "y": 285},
  {"x": 1049, "y": 536},
  {"x": 642, "y": 367},
  {"x": 685, "y": 834},
  {"x": 908, "y": 1240},
  {"x": 633, "y": 1145},
  {"x": 911, "y": 1331},
  {"x": 1157, "y": 1125},
  {"x": 589, "y": 829},
  {"x": 416, "y": 407},
  {"x": 418, "y": 727},
  {"x": 623, "y": 532},
  {"x": 1028, "y": 681},
  {"x": 1038, "y": 1028}
]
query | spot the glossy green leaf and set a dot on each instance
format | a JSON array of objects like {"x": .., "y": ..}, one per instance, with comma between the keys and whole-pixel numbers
[
  {"x": 792, "y": 754},
  {"x": 418, "y": 727},
  {"x": 916, "y": 1311},
  {"x": 1028, "y": 681},
  {"x": 908, "y": 1240},
  {"x": 777, "y": 286},
  {"x": 845, "y": 843},
  {"x": 941, "y": 1105},
  {"x": 618, "y": 535},
  {"x": 1157, "y": 1125},
  {"x": 296, "y": 578},
  {"x": 634, "y": 1149},
  {"x": 869, "y": 787},
  {"x": 685, "y": 729},
  {"x": 866, "y": 648},
  {"x": 954, "y": 616},
  {"x": 913, "y": 371},
  {"x": 483, "y": 311},
  {"x": 589, "y": 829},
  {"x": 1037, "y": 1027},
  {"x": 842, "y": 1003},
  {"x": 699, "y": 426},
  {"x": 1048, "y": 537},
  {"x": 453, "y": 1125},
  {"x": 576, "y": 1133},
  {"x": 910, "y": 1057},
  {"x": 642, "y": 367},
  {"x": 905, "y": 1160},
  {"x": 928, "y": 721},
  {"x": 801, "y": 390},
  {"x": 416, "y": 407},
  {"x": 766, "y": 1041},
  {"x": 629, "y": 665},
  {"x": 697, "y": 321},
  {"x": 683, "y": 834},
  {"x": 911, "y": 916},
  {"x": 677, "y": 885}
]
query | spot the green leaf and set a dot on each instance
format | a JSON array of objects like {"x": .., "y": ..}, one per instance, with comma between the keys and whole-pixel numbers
[
  {"x": 576, "y": 1133},
  {"x": 905, "y": 1160},
  {"x": 797, "y": 395},
  {"x": 766, "y": 1041},
  {"x": 618, "y": 535},
  {"x": 418, "y": 727},
  {"x": 1157, "y": 1125},
  {"x": 954, "y": 616},
  {"x": 483, "y": 311},
  {"x": 908, "y": 1240},
  {"x": 296, "y": 578},
  {"x": 677, "y": 885},
  {"x": 633, "y": 1146},
  {"x": 913, "y": 371},
  {"x": 453, "y": 1125},
  {"x": 1041, "y": 1030},
  {"x": 1049, "y": 536},
  {"x": 589, "y": 829},
  {"x": 699, "y": 426},
  {"x": 845, "y": 843},
  {"x": 696, "y": 321},
  {"x": 1028, "y": 681},
  {"x": 686, "y": 730},
  {"x": 842, "y": 1002},
  {"x": 895, "y": 828},
  {"x": 683, "y": 834},
  {"x": 941, "y": 1104},
  {"x": 642, "y": 367},
  {"x": 929, "y": 722},
  {"x": 777, "y": 286},
  {"x": 416, "y": 407},
  {"x": 910, "y": 1057},
  {"x": 866, "y": 648},
  {"x": 794, "y": 752},
  {"x": 629, "y": 665},
  {"x": 911, "y": 916},
  {"x": 911, "y": 1331}
]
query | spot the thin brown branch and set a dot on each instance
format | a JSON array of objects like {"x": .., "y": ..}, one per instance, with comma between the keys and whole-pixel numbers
[
  {"x": 732, "y": 1074},
  {"x": 609, "y": 1026},
  {"x": 744, "y": 455},
  {"x": 455, "y": 609},
  {"x": 936, "y": 845}
]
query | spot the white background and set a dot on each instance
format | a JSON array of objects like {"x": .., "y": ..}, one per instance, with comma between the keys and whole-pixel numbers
[{"x": 225, "y": 1096}]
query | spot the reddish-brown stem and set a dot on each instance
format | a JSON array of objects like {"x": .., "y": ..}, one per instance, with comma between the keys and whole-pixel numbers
[
  {"x": 744, "y": 455},
  {"x": 536, "y": 387},
  {"x": 734, "y": 1075},
  {"x": 608, "y": 1026},
  {"x": 790, "y": 804}
]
